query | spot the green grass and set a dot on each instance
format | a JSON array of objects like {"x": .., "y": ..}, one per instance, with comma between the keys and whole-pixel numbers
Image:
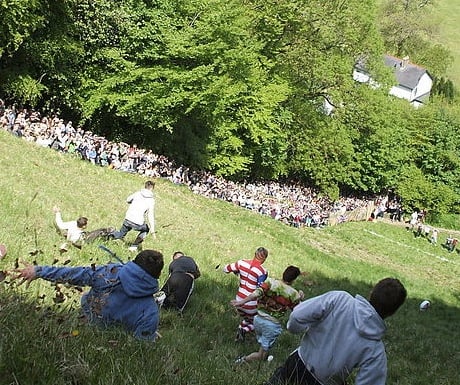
[
  {"x": 448, "y": 14},
  {"x": 36, "y": 341}
]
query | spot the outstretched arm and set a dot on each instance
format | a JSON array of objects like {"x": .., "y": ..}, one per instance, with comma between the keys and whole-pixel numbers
[
  {"x": 77, "y": 276},
  {"x": 251, "y": 297}
]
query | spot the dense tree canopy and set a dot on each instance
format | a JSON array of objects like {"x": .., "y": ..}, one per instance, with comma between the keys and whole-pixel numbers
[{"x": 239, "y": 87}]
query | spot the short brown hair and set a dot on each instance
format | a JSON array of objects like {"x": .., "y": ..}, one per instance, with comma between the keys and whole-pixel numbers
[
  {"x": 387, "y": 296},
  {"x": 149, "y": 184},
  {"x": 82, "y": 222},
  {"x": 290, "y": 274}
]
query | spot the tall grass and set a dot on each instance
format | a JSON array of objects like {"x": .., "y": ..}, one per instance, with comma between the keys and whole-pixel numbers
[{"x": 43, "y": 342}]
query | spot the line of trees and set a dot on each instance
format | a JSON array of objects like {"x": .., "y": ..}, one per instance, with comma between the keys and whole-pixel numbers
[{"x": 238, "y": 87}]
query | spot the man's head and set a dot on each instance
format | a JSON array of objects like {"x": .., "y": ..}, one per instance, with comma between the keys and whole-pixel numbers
[
  {"x": 290, "y": 274},
  {"x": 387, "y": 296},
  {"x": 177, "y": 254},
  {"x": 149, "y": 185},
  {"x": 261, "y": 254},
  {"x": 151, "y": 261},
  {"x": 82, "y": 222}
]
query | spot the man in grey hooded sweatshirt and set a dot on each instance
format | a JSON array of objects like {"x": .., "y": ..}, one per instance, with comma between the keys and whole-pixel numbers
[
  {"x": 141, "y": 204},
  {"x": 341, "y": 333}
]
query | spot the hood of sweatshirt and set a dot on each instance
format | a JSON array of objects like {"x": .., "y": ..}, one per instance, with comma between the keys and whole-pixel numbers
[
  {"x": 369, "y": 324},
  {"x": 146, "y": 193},
  {"x": 136, "y": 281}
]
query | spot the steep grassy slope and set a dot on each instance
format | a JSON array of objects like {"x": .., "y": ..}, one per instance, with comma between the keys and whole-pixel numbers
[{"x": 42, "y": 342}]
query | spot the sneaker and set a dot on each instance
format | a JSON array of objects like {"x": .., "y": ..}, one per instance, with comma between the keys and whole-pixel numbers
[
  {"x": 159, "y": 297},
  {"x": 63, "y": 248},
  {"x": 240, "y": 360},
  {"x": 132, "y": 248},
  {"x": 240, "y": 335}
]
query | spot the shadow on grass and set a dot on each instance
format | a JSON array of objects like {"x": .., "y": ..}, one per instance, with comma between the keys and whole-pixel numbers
[{"x": 42, "y": 342}]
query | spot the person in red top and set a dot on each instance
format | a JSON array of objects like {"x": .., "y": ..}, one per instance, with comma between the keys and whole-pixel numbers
[{"x": 252, "y": 274}]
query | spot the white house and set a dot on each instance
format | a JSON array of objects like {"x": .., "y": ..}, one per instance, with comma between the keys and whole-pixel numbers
[{"x": 414, "y": 82}]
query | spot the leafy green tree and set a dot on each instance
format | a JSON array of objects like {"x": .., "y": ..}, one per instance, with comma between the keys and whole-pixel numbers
[
  {"x": 20, "y": 18},
  {"x": 314, "y": 46},
  {"x": 199, "y": 71},
  {"x": 408, "y": 29},
  {"x": 432, "y": 178},
  {"x": 380, "y": 128},
  {"x": 41, "y": 58}
]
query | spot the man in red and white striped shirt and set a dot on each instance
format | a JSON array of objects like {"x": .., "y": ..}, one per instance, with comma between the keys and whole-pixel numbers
[{"x": 252, "y": 274}]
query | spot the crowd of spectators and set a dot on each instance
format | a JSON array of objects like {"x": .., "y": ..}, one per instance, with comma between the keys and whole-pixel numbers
[{"x": 291, "y": 203}]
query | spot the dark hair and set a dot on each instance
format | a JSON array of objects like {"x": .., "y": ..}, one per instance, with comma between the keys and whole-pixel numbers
[
  {"x": 387, "y": 296},
  {"x": 176, "y": 253},
  {"x": 151, "y": 261},
  {"x": 149, "y": 184},
  {"x": 82, "y": 222},
  {"x": 261, "y": 253},
  {"x": 290, "y": 274}
]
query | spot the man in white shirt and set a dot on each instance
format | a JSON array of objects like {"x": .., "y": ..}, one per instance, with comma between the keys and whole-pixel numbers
[
  {"x": 73, "y": 230},
  {"x": 141, "y": 204}
]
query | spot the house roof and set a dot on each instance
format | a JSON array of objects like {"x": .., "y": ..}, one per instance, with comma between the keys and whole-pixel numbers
[{"x": 407, "y": 74}]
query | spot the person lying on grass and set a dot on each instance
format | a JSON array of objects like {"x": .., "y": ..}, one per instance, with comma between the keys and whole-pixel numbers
[{"x": 121, "y": 293}]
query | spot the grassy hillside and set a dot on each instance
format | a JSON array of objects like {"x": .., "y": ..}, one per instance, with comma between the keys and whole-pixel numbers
[
  {"x": 448, "y": 13},
  {"x": 43, "y": 342}
]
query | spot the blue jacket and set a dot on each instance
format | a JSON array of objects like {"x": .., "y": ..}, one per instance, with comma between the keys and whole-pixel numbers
[{"x": 120, "y": 293}]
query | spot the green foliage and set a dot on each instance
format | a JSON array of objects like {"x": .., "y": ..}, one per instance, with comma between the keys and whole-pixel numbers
[
  {"x": 408, "y": 28},
  {"x": 24, "y": 89},
  {"x": 445, "y": 88},
  {"x": 239, "y": 87},
  {"x": 20, "y": 18},
  {"x": 419, "y": 192},
  {"x": 42, "y": 69}
]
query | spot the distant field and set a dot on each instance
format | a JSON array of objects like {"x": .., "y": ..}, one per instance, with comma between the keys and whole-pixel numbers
[{"x": 448, "y": 12}]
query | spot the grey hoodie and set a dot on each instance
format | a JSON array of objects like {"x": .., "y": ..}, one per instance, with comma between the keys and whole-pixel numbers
[{"x": 342, "y": 333}]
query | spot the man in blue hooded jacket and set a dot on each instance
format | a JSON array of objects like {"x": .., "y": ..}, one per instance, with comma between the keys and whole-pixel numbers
[
  {"x": 120, "y": 293},
  {"x": 341, "y": 333}
]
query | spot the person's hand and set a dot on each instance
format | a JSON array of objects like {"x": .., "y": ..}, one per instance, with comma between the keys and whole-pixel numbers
[
  {"x": 301, "y": 294},
  {"x": 236, "y": 303},
  {"x": 26, "y": 274},
  {"x": 56, "y": 209}
]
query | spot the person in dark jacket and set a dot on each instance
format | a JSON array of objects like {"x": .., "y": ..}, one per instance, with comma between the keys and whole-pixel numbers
[
  {"x": 178, "y": 288},
  {"x": 121, "y": 293}
]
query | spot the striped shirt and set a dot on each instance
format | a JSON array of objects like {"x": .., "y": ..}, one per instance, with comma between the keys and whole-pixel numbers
[{"x": 252, "y": 274}]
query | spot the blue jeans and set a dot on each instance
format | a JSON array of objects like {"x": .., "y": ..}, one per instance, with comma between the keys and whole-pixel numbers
[
  {"x": 128, "y": 226},
  {"x": 266, "y": 332}
]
